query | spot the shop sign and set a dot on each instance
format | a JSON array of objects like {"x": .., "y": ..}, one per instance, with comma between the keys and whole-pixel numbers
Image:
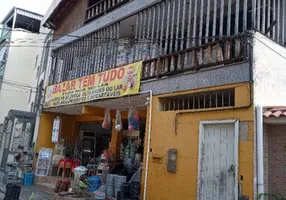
[
  {"x": 113, "y": 83},
  {"x": 56, "y": 130}
]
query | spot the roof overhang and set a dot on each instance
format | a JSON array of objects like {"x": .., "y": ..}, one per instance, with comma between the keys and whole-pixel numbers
[
  {"x": 23, "y": 19},
  {"x": 22, "y": 12},
  {"x": 274, "y": 115},
  {"x": 56, "y": 12},
  {"x": 124, "y": 103}
]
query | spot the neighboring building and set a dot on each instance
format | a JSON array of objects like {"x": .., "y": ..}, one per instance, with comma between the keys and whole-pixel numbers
[
  {"x": 18, "y": 131},
  {"x": 206, "y": 71},
  {"x": 19, "y": 47}
]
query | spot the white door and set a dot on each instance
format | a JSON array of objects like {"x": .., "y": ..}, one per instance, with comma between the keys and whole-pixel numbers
[{"x": 218, "y": 154}]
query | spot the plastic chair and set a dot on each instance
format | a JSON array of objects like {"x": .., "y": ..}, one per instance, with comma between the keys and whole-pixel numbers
[
  {"x": 62, "y": 163},
  {"x": 75, "y": 164},
  {"x": 68, "y": 165}
]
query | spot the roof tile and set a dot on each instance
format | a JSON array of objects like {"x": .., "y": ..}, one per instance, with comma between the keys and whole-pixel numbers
[{"x": 275, "y": 112}]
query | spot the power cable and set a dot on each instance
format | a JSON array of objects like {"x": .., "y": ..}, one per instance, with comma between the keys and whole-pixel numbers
[
  {"x": 19, "y": 85},
  {"x": 270, "y": 48},
  {"x": 93, "y": 39},
  {"x": 18, "y": 91}
]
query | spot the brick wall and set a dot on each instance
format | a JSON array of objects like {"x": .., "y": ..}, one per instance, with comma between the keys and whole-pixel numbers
[{"x": 275, "y": 159}]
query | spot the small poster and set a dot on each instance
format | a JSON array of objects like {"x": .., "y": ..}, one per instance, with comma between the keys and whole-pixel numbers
[
  {"x": 18, "y": 129},
  {"x": 44, "y": 162},
  {"x": 56, "y": 130}
]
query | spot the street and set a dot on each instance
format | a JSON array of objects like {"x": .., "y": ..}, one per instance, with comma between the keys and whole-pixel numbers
[{"x": 26, "y": 191}]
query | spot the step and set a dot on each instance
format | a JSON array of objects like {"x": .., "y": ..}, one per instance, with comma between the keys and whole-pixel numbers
[
  {"x": 58, "y": 197},
  {"x": 48, "y": 179},
  {"x": 47, "y": 187}
]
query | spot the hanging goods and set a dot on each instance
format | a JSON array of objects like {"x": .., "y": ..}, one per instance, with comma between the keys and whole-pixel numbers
[
  {"x": 118, "y": 122},
  {"x": 133, "y": 119},
  {"x": 106, "y": 121},
  {"x": 56, "y": 132}
]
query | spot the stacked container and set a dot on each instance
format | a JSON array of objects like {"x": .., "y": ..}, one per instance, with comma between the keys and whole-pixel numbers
[
  {"x": 110, "y": 185},
  {"x": 118, "y": 182}
]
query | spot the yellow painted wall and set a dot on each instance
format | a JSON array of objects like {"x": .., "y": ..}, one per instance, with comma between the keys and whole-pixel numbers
[
  {"x": 182, "y": 185},
  {"x": 44, "y": 139}
]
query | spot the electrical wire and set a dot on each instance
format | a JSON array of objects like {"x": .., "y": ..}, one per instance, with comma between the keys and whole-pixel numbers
[
  {"x": 283, "y": 56},
  {"x": 18, "y": 84},
  {"x": 146, "y": 40},
  {"x": 18, "y": 91}
]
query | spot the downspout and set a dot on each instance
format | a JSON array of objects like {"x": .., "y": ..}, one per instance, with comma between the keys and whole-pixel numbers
[
  {"x": 38, "y": 113},
  {"x": 260, "y": 162},
  {"x": 148, "y": 141}
]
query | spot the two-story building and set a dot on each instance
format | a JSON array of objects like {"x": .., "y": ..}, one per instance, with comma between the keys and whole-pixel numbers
[
  {"x": 203, "y": 68},
  {"x": 20, "y": 47}
]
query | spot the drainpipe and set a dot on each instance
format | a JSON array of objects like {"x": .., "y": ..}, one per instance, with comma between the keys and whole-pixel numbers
[
  {"x": 148, "y": 141},
  {"x": 260, "y": 163},
  {"x": 40, "y": 107}
]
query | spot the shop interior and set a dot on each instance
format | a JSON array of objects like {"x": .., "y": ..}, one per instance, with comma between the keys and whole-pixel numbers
[{"x": 104, "y": 159}]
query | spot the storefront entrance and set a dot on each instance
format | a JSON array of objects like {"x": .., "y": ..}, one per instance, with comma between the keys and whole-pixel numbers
[
  {"x": 107, "y": 139},
  {"x": 91, "y": 142}
]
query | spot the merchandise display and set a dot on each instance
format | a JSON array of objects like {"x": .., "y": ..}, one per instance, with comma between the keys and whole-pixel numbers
[
  {"x": 118, "y": 121},
  {"x": 133, "y": 119},
  {"x": 92, "y": 166},
  {"x": 106, "y": 121}
]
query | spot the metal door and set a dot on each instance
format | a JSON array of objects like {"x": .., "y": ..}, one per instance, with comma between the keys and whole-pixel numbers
[{"x": 218, "y": 161}]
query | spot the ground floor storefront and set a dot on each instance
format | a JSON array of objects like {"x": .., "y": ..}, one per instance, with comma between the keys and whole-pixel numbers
[
  {"x": 107, "y": 138},
  {"x": 190, "y": 145}
]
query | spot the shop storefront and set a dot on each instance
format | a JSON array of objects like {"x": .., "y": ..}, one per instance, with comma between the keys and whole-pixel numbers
[{"x": 95, "y": 126}]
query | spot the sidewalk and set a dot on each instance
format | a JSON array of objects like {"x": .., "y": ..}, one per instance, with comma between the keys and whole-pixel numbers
[{"x": 26, "y": 191}]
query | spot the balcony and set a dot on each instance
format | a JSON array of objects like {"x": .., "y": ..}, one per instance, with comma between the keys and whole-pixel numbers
[
  {"x": 170, "y": 37},
  {"x": 102, "y": 7},
  {"x": 227, "y": 50},
  {"x": 219, "y": 53}
]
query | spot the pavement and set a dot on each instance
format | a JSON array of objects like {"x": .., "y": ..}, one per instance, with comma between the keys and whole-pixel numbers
[{"x": 26, "y": 191}]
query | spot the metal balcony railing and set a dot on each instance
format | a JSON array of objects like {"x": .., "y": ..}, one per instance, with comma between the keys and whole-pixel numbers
[
  {"x": 225, "y": 51},
  {"x": 102, "y": 7}
]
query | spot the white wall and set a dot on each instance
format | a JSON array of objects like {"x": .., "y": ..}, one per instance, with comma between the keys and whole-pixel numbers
[
  {"x": 44, "y": 76},
  {"x": 269, "y": 72},
  {"x": 20, "y": 68}
]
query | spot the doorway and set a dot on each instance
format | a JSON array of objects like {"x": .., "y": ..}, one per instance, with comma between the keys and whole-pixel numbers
[
  {"x": 91, "y": 142},
  {"x": 218, "y": 160}
]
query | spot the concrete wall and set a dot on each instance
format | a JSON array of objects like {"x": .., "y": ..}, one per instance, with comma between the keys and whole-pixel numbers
[
  {"x": 269, "y": 71},
  {"x": 183, "y": 184},
  {"x": 20, "y": 69}
]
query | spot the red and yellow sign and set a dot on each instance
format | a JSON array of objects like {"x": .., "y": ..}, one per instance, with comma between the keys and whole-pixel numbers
[{"x": 113, "y": 83}]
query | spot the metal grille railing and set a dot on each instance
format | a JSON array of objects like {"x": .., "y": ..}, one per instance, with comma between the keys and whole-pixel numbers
[
  {"x": 173, "y": 36},
  {"x": 91, "y": 54},
  {"x": 102, "y": 7},
  {"x": 203, "y": 100},
  {"x": 225, "y": 51}
]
